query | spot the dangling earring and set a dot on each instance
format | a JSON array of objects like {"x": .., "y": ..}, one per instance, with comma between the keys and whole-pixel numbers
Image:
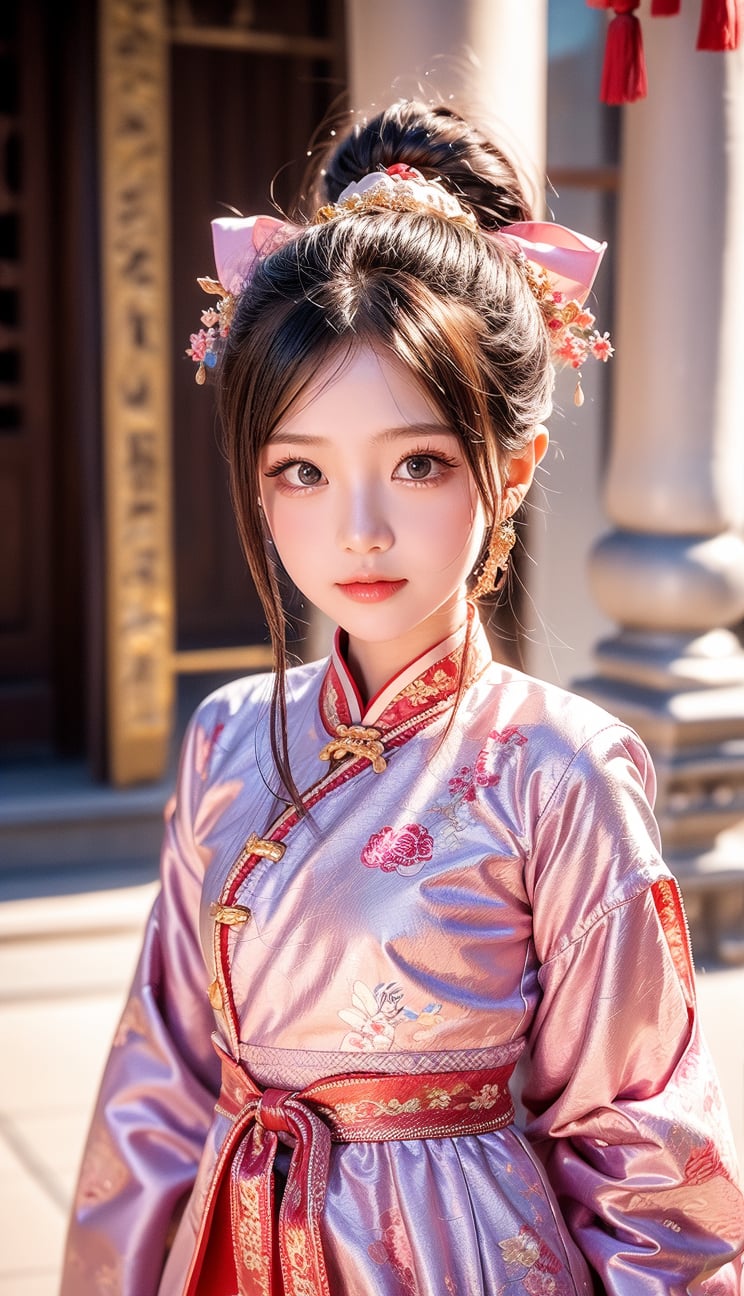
[{"x": 496, "y": 560}]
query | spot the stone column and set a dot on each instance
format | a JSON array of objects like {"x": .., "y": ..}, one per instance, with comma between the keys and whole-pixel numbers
[
  {"x": 671, "y": 573},
  {"x": 489, "y": 54}
]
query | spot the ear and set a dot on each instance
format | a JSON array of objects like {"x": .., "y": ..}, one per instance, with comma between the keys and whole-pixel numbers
[{"x": 521, "y": 470}]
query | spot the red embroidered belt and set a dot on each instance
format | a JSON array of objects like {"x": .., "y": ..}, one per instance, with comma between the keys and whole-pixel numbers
[{"x": 239, "y": 1249}]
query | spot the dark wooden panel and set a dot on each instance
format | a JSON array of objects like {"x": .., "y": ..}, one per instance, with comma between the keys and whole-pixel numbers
[{"x": 240, "y": 129}]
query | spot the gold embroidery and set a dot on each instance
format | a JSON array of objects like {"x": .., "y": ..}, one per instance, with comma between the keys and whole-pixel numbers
[
  {"x": 214, "y": 995},
  {"x": 248, "y": 1226},
  {"x": 436, "y": 1099},
  {"x": 300, "y": 1278},
  {"x": 486, "y": 1097},
  {"x": 270, "y": 850},
  {"x": 420, "y": 691},
  {"x": 356, "y": 740},
  {"x": 229, "y": 915},
  {"x": 523, "y": 1249}
]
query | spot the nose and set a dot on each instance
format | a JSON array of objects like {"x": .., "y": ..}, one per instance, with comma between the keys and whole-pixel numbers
[{"x": 364, "y": 526}]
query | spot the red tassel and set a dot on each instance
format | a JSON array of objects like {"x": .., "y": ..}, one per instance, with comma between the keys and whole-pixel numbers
[
  {"x": 721, "y": 23},
  {"x": 664, "y": 8},
  {"x": 624, "y": 73}
]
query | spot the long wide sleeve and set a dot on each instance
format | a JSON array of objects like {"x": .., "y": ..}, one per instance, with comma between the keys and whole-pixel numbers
[
  {"x": 625, "y": 1106},
  {"x": 158, "y": 1090}
]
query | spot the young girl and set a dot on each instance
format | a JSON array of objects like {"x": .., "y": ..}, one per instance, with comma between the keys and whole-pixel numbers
[{"x": 390, "y": 877}]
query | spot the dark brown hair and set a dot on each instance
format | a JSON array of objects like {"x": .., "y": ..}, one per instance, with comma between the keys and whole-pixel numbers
[{"x": 450, "y": 304}]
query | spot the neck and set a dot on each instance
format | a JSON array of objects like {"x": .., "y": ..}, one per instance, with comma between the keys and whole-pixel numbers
[{"x": 373, "y": 665}]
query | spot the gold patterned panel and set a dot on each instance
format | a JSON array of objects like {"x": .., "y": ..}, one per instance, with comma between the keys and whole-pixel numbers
[{"x": 136, "y": 378}]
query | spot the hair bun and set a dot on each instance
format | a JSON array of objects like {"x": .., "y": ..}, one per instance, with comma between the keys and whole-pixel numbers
[{"x": 439, "y": 143}]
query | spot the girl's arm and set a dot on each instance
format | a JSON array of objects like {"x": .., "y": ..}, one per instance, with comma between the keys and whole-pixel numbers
[
  {"x": 626, "y": 1108},
  {"x": 158, "y": 1090}
]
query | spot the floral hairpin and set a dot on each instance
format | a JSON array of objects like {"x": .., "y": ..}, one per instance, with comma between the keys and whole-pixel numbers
[
  {"x": 239, "y": 243},
  {"x": 573, "y": 335},
  {"x": 560, "y": 266}
]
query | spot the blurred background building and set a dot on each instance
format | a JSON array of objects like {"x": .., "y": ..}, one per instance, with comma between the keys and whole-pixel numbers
[{"x": 125, "y": 126}]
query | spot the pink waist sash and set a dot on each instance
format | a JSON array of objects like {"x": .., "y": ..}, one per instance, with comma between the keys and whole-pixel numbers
[{"x": 238, "y": 1249}]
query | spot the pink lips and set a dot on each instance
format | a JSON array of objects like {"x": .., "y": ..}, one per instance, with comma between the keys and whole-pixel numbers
[{"x": 373, "y": 591}]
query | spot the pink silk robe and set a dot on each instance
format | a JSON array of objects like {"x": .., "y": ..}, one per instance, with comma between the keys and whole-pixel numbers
[{"x": 495, "y": 893}]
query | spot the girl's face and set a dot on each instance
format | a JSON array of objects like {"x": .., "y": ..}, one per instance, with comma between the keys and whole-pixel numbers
[{"x": 374, "y": 511}]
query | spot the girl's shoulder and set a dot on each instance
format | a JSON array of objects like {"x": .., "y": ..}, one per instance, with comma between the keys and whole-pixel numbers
[
  {"x": 241, "y": 697},
  {"x": 235, "y": 716},
  {"x": 557, "y": 718}
]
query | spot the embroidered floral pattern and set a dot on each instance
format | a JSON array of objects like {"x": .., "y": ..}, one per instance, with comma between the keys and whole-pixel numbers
[
  {"x": 394, "y": 1249},
  {"x": 460, "y": 1097},
  {"x": 488, "y": 1096},
  {"x": 527, "y": 1252},
  {"x": 704, "y": 1163},
  {"x": 485, "y": 771},
  {"x": 399, "y": 850},
  {"x": 434, "y": 684},
  {"x": 372, "y": 1018},
  {"x": 248, "y": 1226},
  {"x": 295, "y": 1242},
  {"x": 205, "y": 744},
  {"x": 671, "y": 916},
  {"x": 103, "y": 1173}
]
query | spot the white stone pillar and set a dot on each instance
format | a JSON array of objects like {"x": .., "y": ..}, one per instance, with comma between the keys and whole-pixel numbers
[
  {"x": 488, "y": 53},
  {"x": 671, "y": 573}
]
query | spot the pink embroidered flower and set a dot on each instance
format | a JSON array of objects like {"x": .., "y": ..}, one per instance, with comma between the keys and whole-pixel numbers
[
  {"x": 394, "y": 1249},
  {"x": 484, "y": 776},
  {"x": 704, "y": 1163},
  {"x": 503, "y": 736},
  {"x": 399, "y": 850},
  {"x": 462, "y": 784},
  {"x": 539, "y": 1284}
]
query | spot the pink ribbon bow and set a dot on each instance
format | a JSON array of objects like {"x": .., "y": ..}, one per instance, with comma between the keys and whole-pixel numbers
[
  {"x": 570, "y": 260},
  {"x": 239, "y": 241}
]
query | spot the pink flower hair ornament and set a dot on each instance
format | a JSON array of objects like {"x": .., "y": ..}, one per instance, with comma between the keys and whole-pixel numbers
[
  {"x": 560, "y": 265},
  {"x": 239, "y": 242}
]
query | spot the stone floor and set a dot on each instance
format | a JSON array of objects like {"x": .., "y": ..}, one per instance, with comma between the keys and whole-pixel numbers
[{"x": 65, "y": 962}]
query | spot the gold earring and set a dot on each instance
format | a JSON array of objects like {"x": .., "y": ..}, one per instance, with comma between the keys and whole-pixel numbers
[{"x": 496, "y": 560}]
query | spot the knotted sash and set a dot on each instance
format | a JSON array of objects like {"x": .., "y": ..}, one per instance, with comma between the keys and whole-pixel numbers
[{"x": 239, "y": 1249}]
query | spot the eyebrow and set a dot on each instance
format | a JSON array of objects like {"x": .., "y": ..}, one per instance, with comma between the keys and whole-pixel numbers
[{"x": 389, "y": 434}]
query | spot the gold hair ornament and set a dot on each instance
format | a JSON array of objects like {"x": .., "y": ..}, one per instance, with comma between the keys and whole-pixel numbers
[{"x": 397, "y": 188}]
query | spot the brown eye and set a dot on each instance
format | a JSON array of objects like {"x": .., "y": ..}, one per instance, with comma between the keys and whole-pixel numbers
[
  {"x": 418, "y": 466},
  {"x": 308, "y": 474}
]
